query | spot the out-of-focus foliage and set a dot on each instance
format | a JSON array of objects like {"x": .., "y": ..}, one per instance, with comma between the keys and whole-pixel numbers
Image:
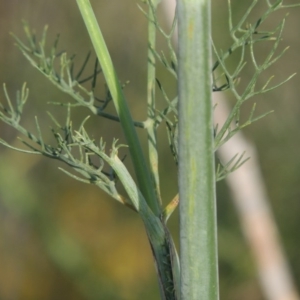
[
  {"x": 61, "y": 239},
  {"x": 278, "y": 143}
]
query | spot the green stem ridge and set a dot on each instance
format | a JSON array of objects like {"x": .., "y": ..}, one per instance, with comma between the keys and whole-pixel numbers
[{"x": 198, "y": 233}]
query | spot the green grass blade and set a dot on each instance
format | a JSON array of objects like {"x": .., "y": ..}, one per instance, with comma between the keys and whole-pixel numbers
[{"x": 140, "y": 166}]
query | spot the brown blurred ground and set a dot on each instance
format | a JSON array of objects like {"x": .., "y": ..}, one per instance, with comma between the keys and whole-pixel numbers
[{"x": 61, "y": 239}]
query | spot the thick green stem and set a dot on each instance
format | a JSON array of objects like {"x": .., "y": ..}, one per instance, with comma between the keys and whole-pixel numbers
[
  {"x": 139, "y": 163},
  {"x": 198, "y": 233}
]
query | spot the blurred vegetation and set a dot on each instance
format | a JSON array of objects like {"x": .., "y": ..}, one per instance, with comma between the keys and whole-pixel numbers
[{"x": 61, "y": 239}]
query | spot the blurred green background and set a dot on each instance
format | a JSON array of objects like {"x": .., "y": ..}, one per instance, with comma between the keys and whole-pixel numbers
[{"x": 61, "y": 239}]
